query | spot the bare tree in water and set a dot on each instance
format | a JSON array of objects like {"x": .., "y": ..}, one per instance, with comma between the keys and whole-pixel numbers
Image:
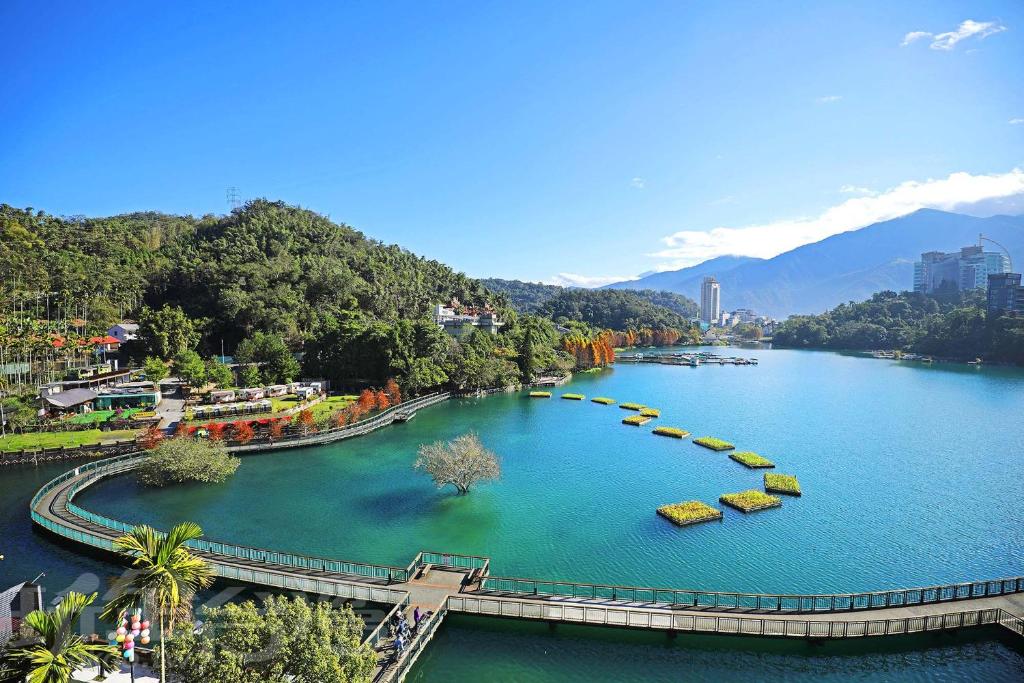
[{"x": 461, "y": 462}]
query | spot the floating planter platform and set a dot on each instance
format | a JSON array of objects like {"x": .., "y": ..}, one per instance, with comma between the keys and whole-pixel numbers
[
  {"x": 751, "y": 500},
  {"x": 635, "y": 420},
  {"x": 671, "y": 431},
  {"x": 632, "y": 406},
  {"x": 574, "y": 397},
  {"x": 603, "y": 400},
  {"x": 540, "y": 394},
  {"x": 690, "y": 512},
  {"x": 782, "y": 483},
  {"x": 713, "y": 443},
  {"x": 751, "y": 460},
  {"x": 650, "y": 412}
]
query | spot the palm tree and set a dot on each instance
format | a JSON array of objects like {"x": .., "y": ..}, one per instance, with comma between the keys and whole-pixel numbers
[
  {"x": 58, "y": 651},
  {"x": 165, "y": 577}
]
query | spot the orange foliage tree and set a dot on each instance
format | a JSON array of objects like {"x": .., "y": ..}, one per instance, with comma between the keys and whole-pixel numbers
[
  {"x": 243, "y": 431},
  {"x": 383, "y": 401},
  {"x": 151, "y": 438},
  {"x": 367, "y": 400},
  {"x": 394, "y": 393},
  {"x": 276, "y": 427},
  {"x": 306, "y": 420},
  {"x": 216, "y": 431}
]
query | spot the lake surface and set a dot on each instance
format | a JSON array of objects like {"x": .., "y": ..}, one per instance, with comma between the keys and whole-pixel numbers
[{"x": 911, "y": 476}]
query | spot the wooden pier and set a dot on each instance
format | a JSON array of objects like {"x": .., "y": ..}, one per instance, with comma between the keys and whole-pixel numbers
[{"x": 686, "y": 359}]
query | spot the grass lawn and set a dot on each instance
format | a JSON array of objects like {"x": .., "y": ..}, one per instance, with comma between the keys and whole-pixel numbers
[
  {"x": 90, "y": 418},
  {"x": 16, "y": 442},
  {"x": 325, "y": 407}
]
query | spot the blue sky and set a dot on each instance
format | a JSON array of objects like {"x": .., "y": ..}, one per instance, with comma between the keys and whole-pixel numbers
[{"x": 557, "y": 142}]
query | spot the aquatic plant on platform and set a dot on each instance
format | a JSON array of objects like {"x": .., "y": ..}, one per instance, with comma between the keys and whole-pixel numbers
[
  {"x": 751, "y": 460},
  {"x": 632, "y": 406},
  {"x": 750, "y": 500},
  {"x": 540, "y": 394},
  {"x": 635, "y": 420},
  {"x": 713, "y": 443},
  {"x": 574, "y": 397},
  {"x": 603, "y": 400},
  {"x": 689, "y": 512},
  {"x": 671, "y": 431},
  {"x": 650, "y": 412},
  {"x": 782, "y": 483}
]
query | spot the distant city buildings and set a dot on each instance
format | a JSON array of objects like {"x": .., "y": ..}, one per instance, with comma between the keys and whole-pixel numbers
[
  {"x": 460, "y": 321},
  {"x": 1005, "y": 294},
  {"x": 710, "y": 301},
  {"x": 960, "y": 271}
]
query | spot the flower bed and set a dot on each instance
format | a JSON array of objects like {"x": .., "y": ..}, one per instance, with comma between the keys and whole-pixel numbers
[
  {"x": 690, "y": 512},
  {"x": 603, "y": 401},
  {"x": 750, "y": 500},
  {"x": 713, "y": 443},
  {"x": 751, "y": 460},
  {"x": 782, "y": 483},
  {"x": 631, "y": 406},
  {"x": 650, "y": 412},
  {"x": 574, "y": 397},
  {"x": 671, "y": 431},
  {"x": 635, "y": 420},
  {"x": 540, "y": 394}
]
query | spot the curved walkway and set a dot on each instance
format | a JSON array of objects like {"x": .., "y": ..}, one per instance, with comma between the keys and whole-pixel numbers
[{"x": 446, "y": 582}]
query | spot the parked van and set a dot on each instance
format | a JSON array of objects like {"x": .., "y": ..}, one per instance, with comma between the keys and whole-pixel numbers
[
  {"x": 304, "y": 392},
  {"x": 277, "y": 390},
  {"x": 253, "y": 394},
  {"x": 223, "y": 396}
]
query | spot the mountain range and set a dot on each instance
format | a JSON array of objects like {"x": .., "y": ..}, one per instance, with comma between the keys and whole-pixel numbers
[{"x": 850, "y": 266}]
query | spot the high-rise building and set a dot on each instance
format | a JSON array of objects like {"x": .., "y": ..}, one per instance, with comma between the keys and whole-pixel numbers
[
  {"x": 962, "y": 270},
  {"x": 710, "y": 301},
  {"x": 1005, "y": 294}
]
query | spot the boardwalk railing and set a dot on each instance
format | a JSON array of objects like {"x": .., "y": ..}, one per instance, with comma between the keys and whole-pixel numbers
[
  {"x": 424, "y": 633},
  {"x": 753, "y": 601},
  {"x": 381, "y": 632},
  {"x": 664, "y": 619},
  {"x": 1012, "y": 622}
]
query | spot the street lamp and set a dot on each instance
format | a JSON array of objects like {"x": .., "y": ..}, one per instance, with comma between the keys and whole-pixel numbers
[{"x": 133, "y": 629}]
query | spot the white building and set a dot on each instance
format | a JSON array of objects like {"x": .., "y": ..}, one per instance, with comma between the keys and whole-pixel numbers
[
  {"x": 460, "y": 322},
  {"x": 124, "y": 331},
  {"x": 710, "y": 301}
]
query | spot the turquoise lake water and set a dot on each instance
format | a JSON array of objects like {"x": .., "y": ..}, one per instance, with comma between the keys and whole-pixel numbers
[{"x": 911, "y": 476}]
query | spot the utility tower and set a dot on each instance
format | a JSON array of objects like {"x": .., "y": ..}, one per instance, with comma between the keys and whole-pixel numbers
[{"x": 234, "y": 199}]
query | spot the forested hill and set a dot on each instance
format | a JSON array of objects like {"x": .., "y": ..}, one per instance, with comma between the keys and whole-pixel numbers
[
  {"x": 268, "y": 267},
  {"x": 598, "y": 307}
]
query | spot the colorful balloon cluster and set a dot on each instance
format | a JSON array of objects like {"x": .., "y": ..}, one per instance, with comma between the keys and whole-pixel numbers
[{"x": 133, "y": 629}]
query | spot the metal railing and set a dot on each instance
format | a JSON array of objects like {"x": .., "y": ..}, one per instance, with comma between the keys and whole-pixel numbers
[
  {"x": 712, "y": 600},
  {"x": 665, "y": 619},
  {"x": 381, "y": 631},
  {"x": 424, "y": 633},
  {"x": 1012, "y": 622}
]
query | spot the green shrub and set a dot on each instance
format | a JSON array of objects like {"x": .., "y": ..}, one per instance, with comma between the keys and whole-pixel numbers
[
  {"x": 650, "y": 412},
  {"x": 751, "y": 460},
  {"x": 713, "y": 443},
  {"x": 690, "y": 512},
  {"x": 635, "y": 420},
  {"x": 540, "y": 394},
  {"x": 603, "y": 401},
  {"x": 750, "y": 500},
  {"x": 574, "y": 397},
  {"x": 782, "y": 483},
  {"x": 671, "y": 431},
  {"x": 631, "y": 406},
  {"x": 182, "y": 459}
]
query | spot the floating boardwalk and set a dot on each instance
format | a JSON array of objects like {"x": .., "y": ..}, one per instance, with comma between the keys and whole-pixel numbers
[
  {"x": 690, "y": 359},
  {"x": 442, "y": 583}
]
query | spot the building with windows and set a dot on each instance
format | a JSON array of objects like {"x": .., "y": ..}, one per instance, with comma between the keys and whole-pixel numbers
[
  {"x": 960, "y": 271},
  {"x": 460, "y": 321},
  {"x": 710, "y": 301},
  {"x": 1005, "y": 294}
]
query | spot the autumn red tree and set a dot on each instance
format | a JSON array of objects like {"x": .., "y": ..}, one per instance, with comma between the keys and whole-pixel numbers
[
  {"x": 151, "y": 438},
  {"x": 276, "y": 428},
  {"x": 382, "y": 400},
  {"x": 367, "y": 400},
  {"x": 182, "y": 429},
  {"x": 243, "y": 431},
  {"x": 306, "y": 420},
  {"x": 215, "y": 430},
  {"x": 394, "y": 393}
]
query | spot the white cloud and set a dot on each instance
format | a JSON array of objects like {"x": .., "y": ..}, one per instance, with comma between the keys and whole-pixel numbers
[
  {"x": 638, "y": 183},
  {"x": 1016, "y": 121},
  {"x": 828, "y": 99},
  {"x": 957, "y": 192},
  {"x": 854, "y": 189},
  {"x": 949, "y": 39},
  {"x": 914, "y": 35},
  {"x": 589, "y": 281}
]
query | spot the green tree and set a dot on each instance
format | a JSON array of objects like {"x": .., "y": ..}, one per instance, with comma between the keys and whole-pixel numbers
[
  {"x": 180, "y": 460},
  {"x": 155, "y": 369},
  {"x": 249, "y": 376},
  {"x": 167, "y": 332},
  {"x": 165, "y": 577},
  {"x": 283, "y": 640},
  {"x": 56, "y": 650},
  {"x": 219, "y": 373},
  {"x": 277, "y": 364},
  {"x": 189, "y": 367}
]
